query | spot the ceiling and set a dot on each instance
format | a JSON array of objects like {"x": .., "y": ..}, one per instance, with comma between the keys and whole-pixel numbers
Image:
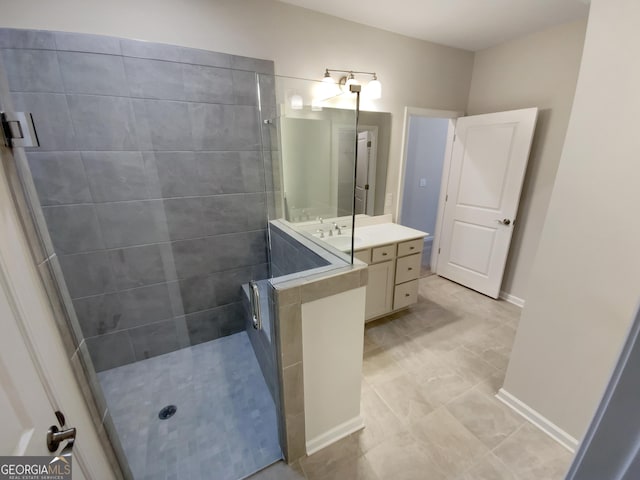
[{"x": 468, "y": 24}]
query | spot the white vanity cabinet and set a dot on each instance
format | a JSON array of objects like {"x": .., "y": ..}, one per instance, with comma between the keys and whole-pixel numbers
[{"x": 394, "y": 270}]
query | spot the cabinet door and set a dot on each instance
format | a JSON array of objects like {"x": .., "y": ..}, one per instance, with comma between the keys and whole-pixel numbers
[{"x": 380, "y": 289}]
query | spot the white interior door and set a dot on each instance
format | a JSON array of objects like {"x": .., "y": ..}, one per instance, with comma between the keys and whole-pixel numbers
[
  {"x": 36, "y": 377},
  {"x": 488, "y": 162},
  {"x": 362, "y": 173}
]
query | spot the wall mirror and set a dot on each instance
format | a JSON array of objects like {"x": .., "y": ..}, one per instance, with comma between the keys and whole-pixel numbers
[{"x": 318, "y": 151}]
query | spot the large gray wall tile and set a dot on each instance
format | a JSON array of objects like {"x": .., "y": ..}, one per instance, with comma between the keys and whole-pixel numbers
[
  {"x": 194, "y": 257},
  {"x": 241, "y": 249},
  {"x": 155, "y": 339},
  {"x": 257, "y": 65},
  {"x": 116, "y": 176},
  {"x": 102, "y": 314},
  {"x": 145, "y": 305},
  {"x": 198, "y": 293},
  {"x": 178, "y": 174},
  {"x": 126, "y": 224},
  {"x": 256, "y": 206},
  {"x": 143, "y": 131},
  {"x": 168, "y": 124},
  {"x": 87, "y": 273},
  {"x": 99, "y": 314},
  {"x": 142, "y": 265},
  {"x": 92, "y": 73},
  {"x": 110, "y": 351},
  {"x": 221, "y": 172},
  {"x": 219, "y": 127},
  {"x": 253, "y": 170},
  {"x": 211, "y": 324},
  {"x": 245, "y": 88},
  {"x": 59, "y": 177},
  {"x": 224, "y": 214},
  {"x": 154, "y": 79},
  {"x": 228, "y": 284},
  {"x": 174, "y": 53},
  {"x": 185, "y": 217},
  {"x": 33, "y": 71},
  {"x": 73, "y": 228},
  {"x": 208, "y": 84},
  {"x": 103, "y": 123},
  {"x": 83, "y": 42},
  {"x": 18, "y": 38},
  {"x": 51, "y": 118}
]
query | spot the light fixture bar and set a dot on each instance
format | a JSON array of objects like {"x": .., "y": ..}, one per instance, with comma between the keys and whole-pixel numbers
[{"x": 349, "y": 71}]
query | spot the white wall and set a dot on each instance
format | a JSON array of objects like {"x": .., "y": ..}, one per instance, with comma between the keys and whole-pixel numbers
[
  {"x": 585, "y": 282},
  {"x": 302, "y": 43},
  {"x": 538, "y": 70},
  {"x": 332, "y": 343},
  {"x": 425, "y": 158}
]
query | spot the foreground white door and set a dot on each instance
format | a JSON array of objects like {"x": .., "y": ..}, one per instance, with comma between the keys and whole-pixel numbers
[
  {"x": 488, "y": 163},
  {"x": 36, "y": 378}
]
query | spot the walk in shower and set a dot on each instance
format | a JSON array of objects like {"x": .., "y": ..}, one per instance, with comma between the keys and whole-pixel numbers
[{"x": 158, "y": 177}]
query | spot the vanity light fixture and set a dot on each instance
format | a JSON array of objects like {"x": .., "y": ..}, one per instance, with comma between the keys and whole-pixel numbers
[{"x": 372, "y": 90}]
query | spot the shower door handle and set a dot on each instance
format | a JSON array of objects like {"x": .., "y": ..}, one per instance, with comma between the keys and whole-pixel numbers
[{"x": 256, "y": 314}]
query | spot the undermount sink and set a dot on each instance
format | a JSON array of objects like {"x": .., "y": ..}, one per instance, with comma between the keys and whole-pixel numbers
[{"x": 342, "y": 242}]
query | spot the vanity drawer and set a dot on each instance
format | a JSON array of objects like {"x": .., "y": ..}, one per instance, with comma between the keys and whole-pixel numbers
[
  {"x": 405, "y": 294},
  {"x": 408, "y": 268},
  {"x": 412, "y": 246},
  {"x": 363, "y": 255},
  {"x": 379, "y": 254}
]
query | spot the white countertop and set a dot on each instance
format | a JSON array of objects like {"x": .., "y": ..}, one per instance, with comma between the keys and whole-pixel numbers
[{"x": 375, "y": 235}]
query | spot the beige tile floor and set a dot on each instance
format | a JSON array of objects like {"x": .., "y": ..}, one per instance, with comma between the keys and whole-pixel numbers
[{"x": 430, "y": 374}]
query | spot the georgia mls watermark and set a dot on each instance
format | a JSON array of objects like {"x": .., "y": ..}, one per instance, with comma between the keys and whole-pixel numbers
[{"x": 35, "y": 468}]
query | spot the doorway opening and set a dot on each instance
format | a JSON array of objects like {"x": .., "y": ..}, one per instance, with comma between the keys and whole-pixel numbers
[{"x": 427, "y": 134}]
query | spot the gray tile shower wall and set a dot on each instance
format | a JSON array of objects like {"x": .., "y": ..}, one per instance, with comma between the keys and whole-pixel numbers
[
  {"x": 290, "y": 256},
  {"x": 151, "y": 180}
]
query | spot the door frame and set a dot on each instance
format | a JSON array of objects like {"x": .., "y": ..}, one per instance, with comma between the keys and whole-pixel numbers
[{"x": 452, "y": 115}]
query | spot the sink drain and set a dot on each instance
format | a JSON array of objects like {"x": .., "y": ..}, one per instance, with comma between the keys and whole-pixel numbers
[{"x": 167, "y": 412}]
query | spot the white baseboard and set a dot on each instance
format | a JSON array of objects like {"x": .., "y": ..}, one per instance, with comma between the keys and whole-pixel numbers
[
  {"x": 335, "y": 434},
  {"x": 517, "y": 301},
  {"x": 547, "y": 426}
]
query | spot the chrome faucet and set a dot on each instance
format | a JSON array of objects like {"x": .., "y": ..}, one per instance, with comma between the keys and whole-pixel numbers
[
  {"x": 336, "y": 228},
  {"x": 321, "y": 232}
]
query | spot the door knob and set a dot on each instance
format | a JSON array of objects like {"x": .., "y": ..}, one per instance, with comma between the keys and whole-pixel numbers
[{"x": 505, "y": 221}]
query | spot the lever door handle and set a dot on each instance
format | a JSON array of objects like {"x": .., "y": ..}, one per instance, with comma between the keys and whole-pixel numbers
[{"x": 56, "y": 436}]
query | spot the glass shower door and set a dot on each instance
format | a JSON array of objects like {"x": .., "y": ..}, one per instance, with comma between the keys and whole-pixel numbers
[{"x": 153, "y": 233}]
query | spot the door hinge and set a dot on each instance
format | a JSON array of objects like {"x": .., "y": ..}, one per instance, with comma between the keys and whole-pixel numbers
[
  {"x": 366, "y": 187},
  {"x": 18, "y": 129},
  {"x": 438, "y": 251},
  {"x": 369, "y": 144},
  {"x": 446, "y": 197}
]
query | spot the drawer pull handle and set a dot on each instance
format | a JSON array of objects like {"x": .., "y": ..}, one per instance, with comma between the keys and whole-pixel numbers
[
  {"x": 407, "y": 294},
  {"x": 410, "y": 268},
  {"x": 384, "y": 254},
  {"x": 411, "y": 248}
]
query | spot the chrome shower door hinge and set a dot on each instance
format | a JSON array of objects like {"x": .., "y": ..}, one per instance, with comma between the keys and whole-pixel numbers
[{"x": 18, "y": 129}]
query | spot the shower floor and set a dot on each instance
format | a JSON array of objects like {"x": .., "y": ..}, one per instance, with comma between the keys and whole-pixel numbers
[{"x": 225, "y": 425}]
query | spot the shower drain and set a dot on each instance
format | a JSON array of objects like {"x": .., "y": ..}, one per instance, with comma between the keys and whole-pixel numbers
[{"x": 167, "y": 412}]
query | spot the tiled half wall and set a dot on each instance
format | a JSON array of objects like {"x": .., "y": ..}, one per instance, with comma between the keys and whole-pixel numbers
[{"x": 151, "y": 180}]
